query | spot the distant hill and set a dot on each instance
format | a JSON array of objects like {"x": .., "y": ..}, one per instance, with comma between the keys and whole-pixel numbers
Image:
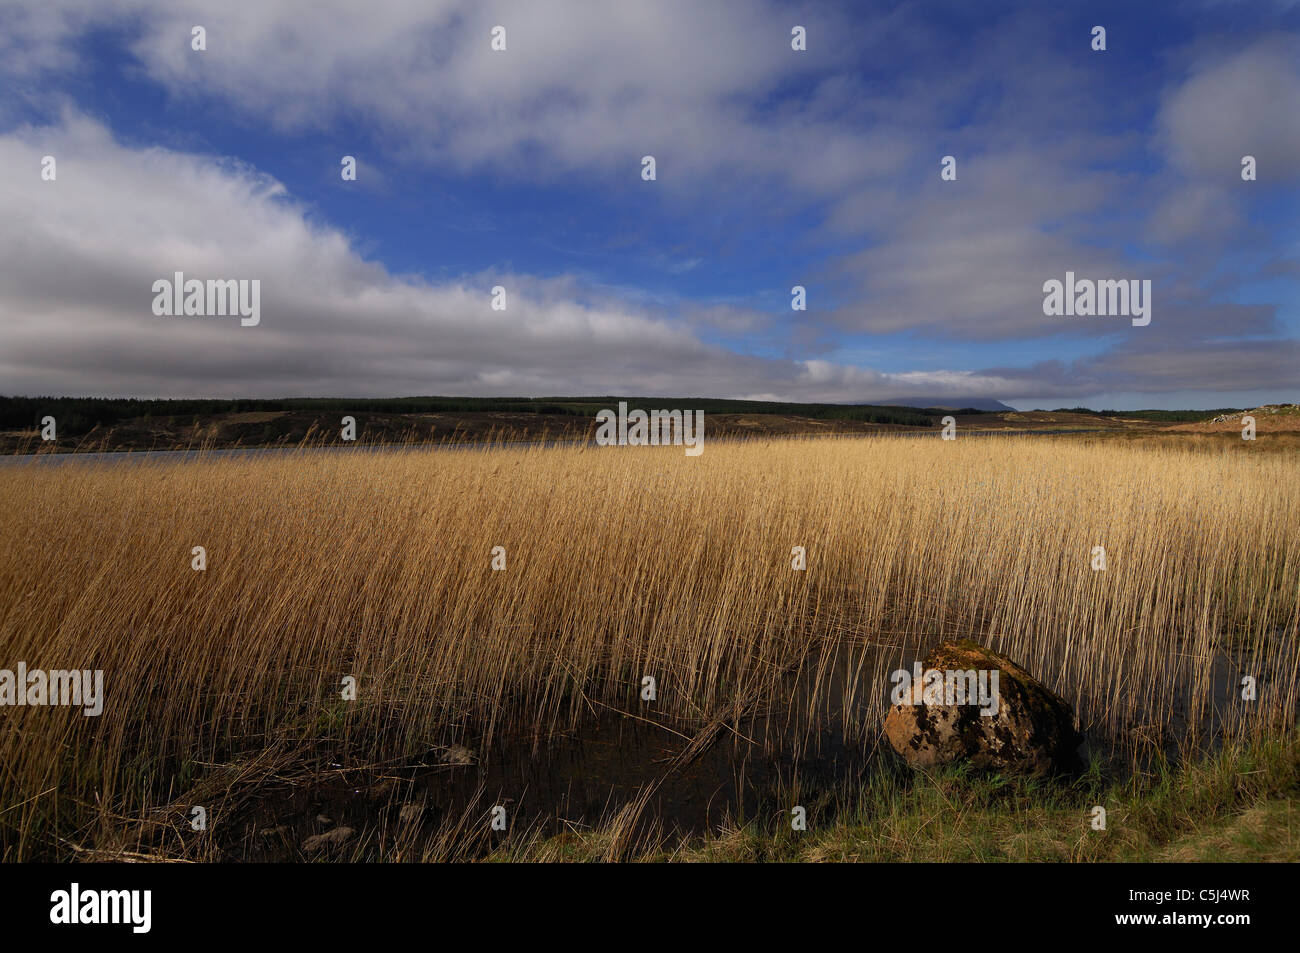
[
  {"x": 949, "y": 403},
  {"x": 80, "y": 415}
]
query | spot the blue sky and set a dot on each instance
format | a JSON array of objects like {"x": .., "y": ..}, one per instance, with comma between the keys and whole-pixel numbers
[{"x": 775, "y": 167}]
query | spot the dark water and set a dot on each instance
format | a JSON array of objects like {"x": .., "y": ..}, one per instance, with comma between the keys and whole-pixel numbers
[
  {"x": 679, "y": 779},
  {"x": 818, "y": 740},
  {"x": 243, "y": 453}
]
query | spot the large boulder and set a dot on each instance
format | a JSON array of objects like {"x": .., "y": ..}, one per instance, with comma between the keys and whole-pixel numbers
[{"x": 979, "y": 707}]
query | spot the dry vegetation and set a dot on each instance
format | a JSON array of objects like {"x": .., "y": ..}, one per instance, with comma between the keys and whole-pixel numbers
[{"x": 622, "y": 562}]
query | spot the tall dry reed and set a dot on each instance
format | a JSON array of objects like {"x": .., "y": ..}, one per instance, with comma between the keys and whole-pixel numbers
[{"x": 621, "y": 563}]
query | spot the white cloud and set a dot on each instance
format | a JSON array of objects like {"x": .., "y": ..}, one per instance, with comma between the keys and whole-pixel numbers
[
  {"x": 78, "y": 258},
  {"x": 584, "y": 90},
  {"x": 1246, "y": 103},
  {"x": 581, "y": 86}
]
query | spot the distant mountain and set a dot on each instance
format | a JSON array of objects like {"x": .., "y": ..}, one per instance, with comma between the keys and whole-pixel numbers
[{"x": 947, "y": 403}]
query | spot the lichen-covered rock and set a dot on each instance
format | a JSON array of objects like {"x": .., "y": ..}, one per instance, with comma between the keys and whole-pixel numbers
[{"x": 1027, "y": 729}]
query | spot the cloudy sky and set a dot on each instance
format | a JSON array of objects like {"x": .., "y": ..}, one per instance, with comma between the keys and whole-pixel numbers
[{"x": 774, "y": 168}]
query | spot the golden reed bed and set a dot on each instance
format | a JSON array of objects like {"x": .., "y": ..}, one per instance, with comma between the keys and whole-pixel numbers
[{"x": 620, "y": 563}]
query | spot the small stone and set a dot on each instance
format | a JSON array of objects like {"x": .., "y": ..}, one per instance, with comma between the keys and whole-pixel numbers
[
  {"x": 332, "y": 838},
  {"x": 457, "y": 754},
  {"x": 410, "y": 813}
]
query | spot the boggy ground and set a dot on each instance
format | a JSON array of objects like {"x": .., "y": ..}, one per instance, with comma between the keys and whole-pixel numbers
[{"x": 1240, "y": 802}]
